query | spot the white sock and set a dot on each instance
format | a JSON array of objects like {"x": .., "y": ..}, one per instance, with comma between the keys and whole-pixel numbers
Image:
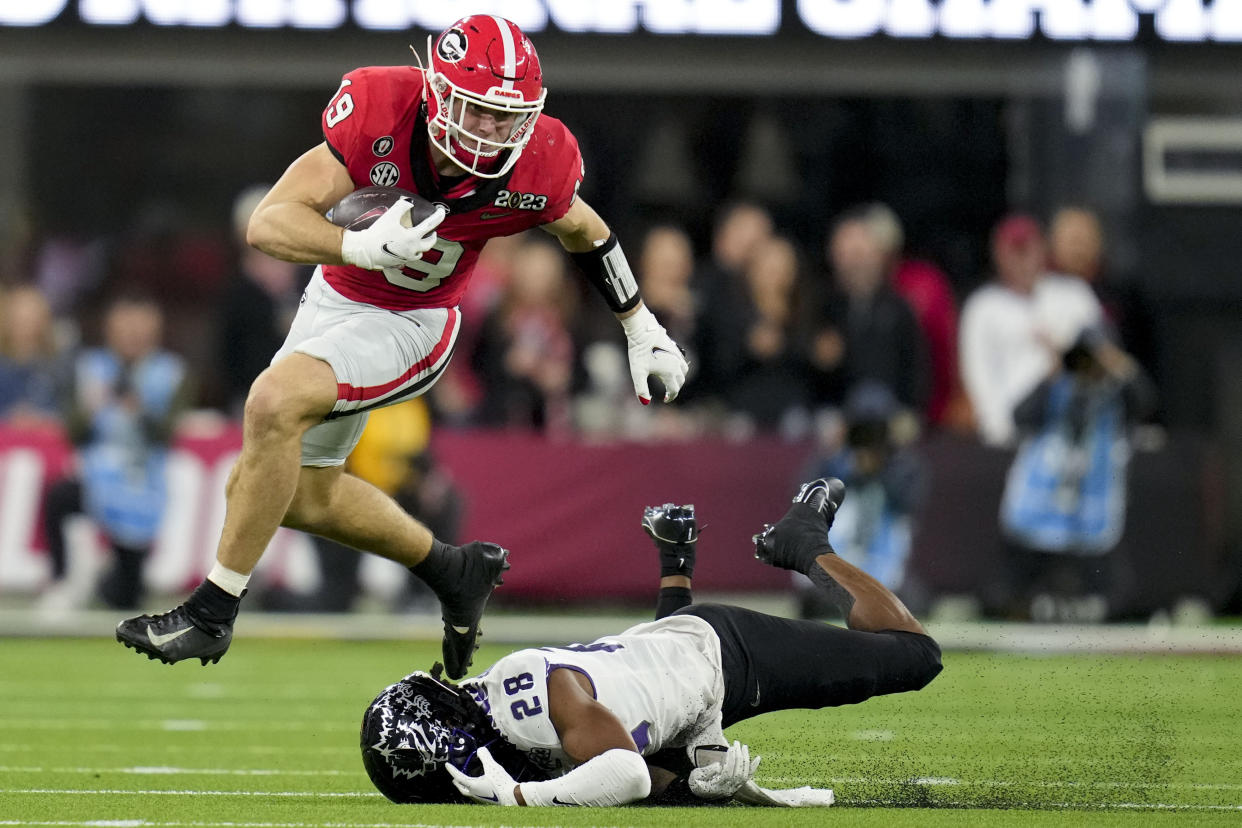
[{"x": 234, "y": 583}]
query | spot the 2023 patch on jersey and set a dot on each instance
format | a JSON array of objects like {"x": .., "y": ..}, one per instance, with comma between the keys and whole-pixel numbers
[{"x": 375, "y": 127}]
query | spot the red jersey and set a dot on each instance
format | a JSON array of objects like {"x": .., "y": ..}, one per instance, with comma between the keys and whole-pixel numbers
[{"x": 376, "y": 127}]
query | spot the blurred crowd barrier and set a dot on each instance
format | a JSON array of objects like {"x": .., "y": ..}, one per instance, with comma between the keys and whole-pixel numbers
[{"x": 570, "y": 512}]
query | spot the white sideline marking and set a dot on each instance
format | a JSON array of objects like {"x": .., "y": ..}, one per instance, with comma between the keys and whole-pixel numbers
[
  {"x": 161, "y": 770},
  {"x": 1053, "y": 806},
  {"x": 26, "y": 748},
  {"x": 872, "y": 735},
  {"x": 114, "y": 792},
  {"x": 1069, "y": 806},
  {"x": 142, "y": 823},
  {"x": 16, "y": 723},
  {"x": 1005, "y": 783}
]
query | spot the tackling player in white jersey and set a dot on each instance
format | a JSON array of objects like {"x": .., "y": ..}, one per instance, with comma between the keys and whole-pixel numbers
[{"x": 642, "y": 714}]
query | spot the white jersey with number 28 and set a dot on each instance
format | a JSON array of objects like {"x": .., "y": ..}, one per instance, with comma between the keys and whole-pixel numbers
[{"x": 662, "y": 679}]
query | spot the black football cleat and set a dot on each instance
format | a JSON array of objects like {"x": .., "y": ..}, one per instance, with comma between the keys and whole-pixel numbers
[
  {"x": 670, "y": 524},
  {"x": 675, "y": 532},
  {"x": 822, "y": 495},
  {"x": 462, "y": 610},
  {"x": 175, "y": 636},
  {"x": 802, "y": 534}
]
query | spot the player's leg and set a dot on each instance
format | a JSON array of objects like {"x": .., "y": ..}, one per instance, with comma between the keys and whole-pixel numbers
[
  {"x": 675, "y": 533},
  {"x": 286, "y": 400},
  {"x": 799, "y": 541},
  {"x": 773, "y": 663},
  {"x": 349, "y": 510},
  {"x": 380, "y": 358}
]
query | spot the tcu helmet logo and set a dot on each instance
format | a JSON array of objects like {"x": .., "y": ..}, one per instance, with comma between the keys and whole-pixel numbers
[
  {"x": 385, "y": 174},
  {"x": 420, "y": 707},
  {"x": 452, "y": 46}
]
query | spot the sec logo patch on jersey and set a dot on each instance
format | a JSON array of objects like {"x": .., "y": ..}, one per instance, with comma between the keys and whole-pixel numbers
[{"x": 385, "y": 175}]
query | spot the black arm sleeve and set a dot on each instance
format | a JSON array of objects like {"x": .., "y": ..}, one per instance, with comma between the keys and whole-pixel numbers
[{"x": 672, "y": 599}]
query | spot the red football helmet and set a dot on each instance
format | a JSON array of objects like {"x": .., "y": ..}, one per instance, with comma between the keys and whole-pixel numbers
[{"x": 484, "y": 91}]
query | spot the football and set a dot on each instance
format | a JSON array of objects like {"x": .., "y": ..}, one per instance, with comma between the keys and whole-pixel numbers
[{"x": 360, "y": 209}]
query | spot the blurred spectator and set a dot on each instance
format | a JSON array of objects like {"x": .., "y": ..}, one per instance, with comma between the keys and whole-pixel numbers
[
  {"x": 30, "y": 367},
  {"x": 526, "y": 353},
  {"x": 393, "y": 455},
  {"x": 926, "y": 288},
  {"x": 1077, "y": 248},
  {"x": 885, "y": 479},
  {"x": 1064, "y": 504},
  {"x": 766, "y": 372},
  {"x": 255, "y": 310},
  {"x": 664, "y": 270},
  {"x": 865, "y": 330},
  {"x": 123, "y": 406},
  {"x": 740, "y": 229},
  {"x": 1015, "y": 327},
  {"x": 70, "y": 272}
]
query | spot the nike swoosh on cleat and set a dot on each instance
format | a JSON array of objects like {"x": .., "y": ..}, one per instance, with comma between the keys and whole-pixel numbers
[
  {"x": 161, "y": 640},
  {"x": 460, "y": 630},
  {"x": 556, "y": 800}
]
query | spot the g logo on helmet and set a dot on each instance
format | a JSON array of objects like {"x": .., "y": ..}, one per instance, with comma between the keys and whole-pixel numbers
[{"x": 452, "y": 45}]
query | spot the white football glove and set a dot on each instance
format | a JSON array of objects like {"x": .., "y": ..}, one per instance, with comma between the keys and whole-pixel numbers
[
  {"x": 389, "y": 243},
  {"x": 653, "y": 353},
  {"x": 494, "y": 787},
  {"x": 718, "y": 780}
]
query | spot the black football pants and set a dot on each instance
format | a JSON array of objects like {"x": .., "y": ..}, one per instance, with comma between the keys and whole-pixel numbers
[{"x": 772, "y": 663}]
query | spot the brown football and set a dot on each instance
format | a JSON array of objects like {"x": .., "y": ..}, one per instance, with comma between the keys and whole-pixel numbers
[{"x": 360, "y": 209}]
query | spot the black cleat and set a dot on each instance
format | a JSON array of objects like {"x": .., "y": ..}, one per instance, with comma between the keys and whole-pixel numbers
[
  {"x": 175, "y": 636},
  {"x": 670, "y": 524},
  {"x": 675, "y": 532},
  {"x": 822, "y": 495},
  {"x": 463, "y": 609},
  {"x": 802, "y": 534}
]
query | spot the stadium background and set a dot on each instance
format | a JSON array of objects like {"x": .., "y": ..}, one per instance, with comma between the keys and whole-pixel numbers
[
  {"x": 134, "y": 126},
  {"x": 132, "y": 136}
]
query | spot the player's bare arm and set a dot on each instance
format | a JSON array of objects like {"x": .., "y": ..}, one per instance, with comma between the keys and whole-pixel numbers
[
  {"x": 608, "y": 769},
  {"x": 598, "y": 254},
  {"x": 289, "y": 222}
]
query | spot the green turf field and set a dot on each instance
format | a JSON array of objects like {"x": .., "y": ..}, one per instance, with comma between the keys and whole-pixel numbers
[{"x": 91, "y": 734}]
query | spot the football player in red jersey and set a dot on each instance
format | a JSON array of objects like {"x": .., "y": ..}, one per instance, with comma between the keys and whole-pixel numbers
[{"x": 379, "y": 320}]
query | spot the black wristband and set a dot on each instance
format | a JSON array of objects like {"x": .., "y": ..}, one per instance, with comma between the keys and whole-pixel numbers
[
  {"x": 676, "y": 559},
  {"x": 607, "y": 269}
]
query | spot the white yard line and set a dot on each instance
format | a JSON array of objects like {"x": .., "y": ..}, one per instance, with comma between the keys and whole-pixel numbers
[
  {"x": 143, "y": 823},
  {"x": 1068, "y": 806},
  {"x": 162, "y": 770},
  {"x": 22, "y": 723},
  {"x": 121, "y": 792}
]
